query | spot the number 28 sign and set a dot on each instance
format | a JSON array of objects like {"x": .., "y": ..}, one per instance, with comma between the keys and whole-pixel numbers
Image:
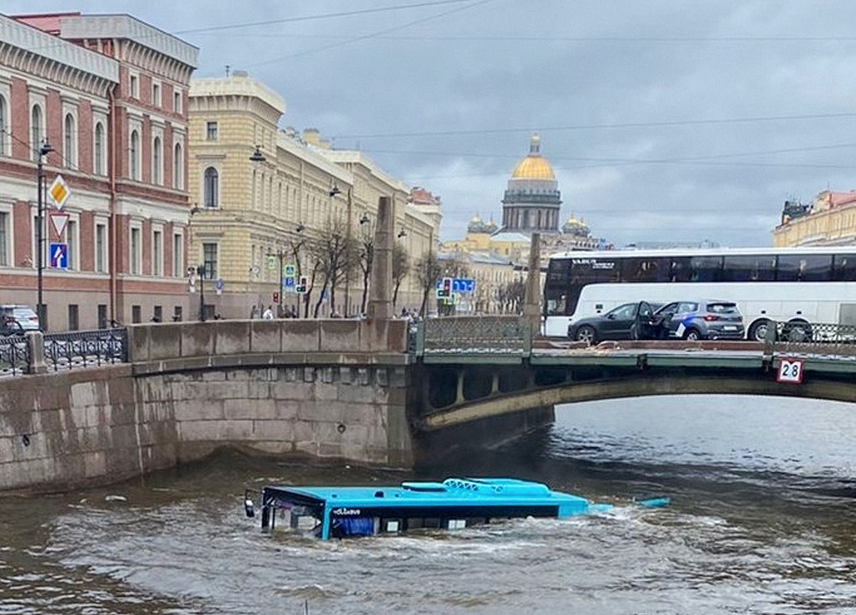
[{"x": 790, "y": 371}]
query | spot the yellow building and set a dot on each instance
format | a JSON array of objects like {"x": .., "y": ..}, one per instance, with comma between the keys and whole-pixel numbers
[
  {"x": 266, "y": 198},
  {"x": 830, "y": 219}
]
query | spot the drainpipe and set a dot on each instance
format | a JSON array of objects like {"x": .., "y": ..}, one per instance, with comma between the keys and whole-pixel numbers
[{"x": 114, "y": 232}]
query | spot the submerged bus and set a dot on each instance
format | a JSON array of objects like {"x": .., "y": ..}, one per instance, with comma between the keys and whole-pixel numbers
[{"x": 797, "y": 286}]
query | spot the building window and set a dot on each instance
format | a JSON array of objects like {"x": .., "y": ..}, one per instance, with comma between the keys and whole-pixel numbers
[
  {"x": 101, "y": 248},
  {"x": 136, "y": 251},
  {"x": 135, "y": 90},
  {"x": 73, "y": 317},
  {"x": 99, "y": 149},
  {"x": 157, "y": 161},
  {"x": 68, "y": 141},
  {"x": 156, "y": 95},
  {"x": 176, "y": 102},
  {"x": 102, "y": 315},
  {"x": 209, "y": 260},
  {"x": 134, "y": 155},
  {"x": 157, "y": 253},
  {"x": 2, "y": 126},
  {"x": 211, "y": 187},
  {"x": 136, "y": 314},
  {"x": 178, "y": 168},
  {"x": 4, "y": 239},
  {"x": 178, "y": 255},
  {"x": 36, "y": 131},
  {"x": 71, "y": 242},
  {"x": 211, "y": 131},
  {"x": 177, "y": 313},
  {"x": 157, "y": 316}
]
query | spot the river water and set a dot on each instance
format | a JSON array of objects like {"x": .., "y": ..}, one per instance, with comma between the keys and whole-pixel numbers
[{"x": 763, "y": 520}]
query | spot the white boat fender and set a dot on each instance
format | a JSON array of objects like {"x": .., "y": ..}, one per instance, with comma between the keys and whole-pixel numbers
[{"x": 115, "y": 498}]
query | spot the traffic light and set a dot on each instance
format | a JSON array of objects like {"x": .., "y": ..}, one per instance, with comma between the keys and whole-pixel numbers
[
  {"x": 302, "y": 283},
  {"x": 276, "y": 297}
]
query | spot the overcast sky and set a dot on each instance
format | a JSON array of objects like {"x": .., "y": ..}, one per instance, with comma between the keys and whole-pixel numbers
[{"x": 664, "y": 119}]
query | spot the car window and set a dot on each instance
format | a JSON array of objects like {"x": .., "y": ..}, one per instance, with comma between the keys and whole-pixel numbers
[
  {"x": 685, "y": 307},
  {"x": 628, "y": 310},
  {"x": 722, "y": 308}
]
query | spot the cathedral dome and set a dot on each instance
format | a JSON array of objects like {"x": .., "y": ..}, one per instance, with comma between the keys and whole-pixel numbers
[{"x": 534, "y": 166}]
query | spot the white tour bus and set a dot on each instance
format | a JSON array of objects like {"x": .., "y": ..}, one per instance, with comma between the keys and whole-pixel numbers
[{"x": 798, "y": 286}]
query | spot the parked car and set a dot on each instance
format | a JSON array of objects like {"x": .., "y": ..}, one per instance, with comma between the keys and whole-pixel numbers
[
  {"x": 703, "y": 319},
  {"x": 625, "y": 322},
  {"x": 17, "y": 319}
]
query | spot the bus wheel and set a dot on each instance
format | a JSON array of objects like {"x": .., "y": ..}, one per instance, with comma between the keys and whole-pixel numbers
[
  {"x": 797, "y": 331},
  {"x": 758, "y": 331},
  {"x": 692, "y": 335},
  {"x": 587, "y": 334}
]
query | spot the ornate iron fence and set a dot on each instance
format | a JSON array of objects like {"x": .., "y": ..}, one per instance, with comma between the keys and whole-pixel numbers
[
  {"x": 507, "y": 335},
  {"x": 812, "y": 339},
  {"x": 85, "y": 348},
  {"x": 14, "y": 355}
]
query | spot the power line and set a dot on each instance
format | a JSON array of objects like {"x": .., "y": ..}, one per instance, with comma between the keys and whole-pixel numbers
[
  {"x": 270, "y": 22},
  {"x": 618, "y": 125},
  {"x": 370, "y": 35}
]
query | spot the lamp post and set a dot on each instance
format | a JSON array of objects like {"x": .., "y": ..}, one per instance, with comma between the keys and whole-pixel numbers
[
  {"x": 44, "y": 150},
  {"x": 200, "y": 272}
]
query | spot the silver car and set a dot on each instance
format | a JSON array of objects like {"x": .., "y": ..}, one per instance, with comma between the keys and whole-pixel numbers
[
  {"x": 704, "y": 319},
  {"x": 17, "y": 319}
]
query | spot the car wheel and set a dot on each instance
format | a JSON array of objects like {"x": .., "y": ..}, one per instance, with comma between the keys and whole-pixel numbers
[
  {"x": 692, "y": 335},
  {"x": 586, "y": 334},
  {"x": 758, "y": 331}
]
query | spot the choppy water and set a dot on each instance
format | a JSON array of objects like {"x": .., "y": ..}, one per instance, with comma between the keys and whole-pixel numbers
[{"x": 762, "y": 521}]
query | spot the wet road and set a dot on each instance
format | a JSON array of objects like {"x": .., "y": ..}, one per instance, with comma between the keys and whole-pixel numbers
[{"x": 763, "y": 520}]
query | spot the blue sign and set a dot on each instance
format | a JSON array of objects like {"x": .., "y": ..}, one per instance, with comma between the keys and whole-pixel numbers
[
  {"x": 289, "y": 285},
  {"x": 463, "y": 285},
  {"x": 471, "y": 286},
  {"x": 59, "y": 255},
  {"x": 218, "y": 285}
]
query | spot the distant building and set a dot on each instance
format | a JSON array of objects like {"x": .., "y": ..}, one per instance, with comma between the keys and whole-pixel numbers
[
  {"x": 830, "y": 219},
  {"x": 532, "y": 199}
]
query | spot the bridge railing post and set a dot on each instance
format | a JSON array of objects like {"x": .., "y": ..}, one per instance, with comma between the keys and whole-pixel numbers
[
  {"x": 770, "y": 341},
  {"x": 36, "y": 347}
]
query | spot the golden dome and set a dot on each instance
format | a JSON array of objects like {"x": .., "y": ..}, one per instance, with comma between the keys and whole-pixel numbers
[{"x": 534, "y": 166}]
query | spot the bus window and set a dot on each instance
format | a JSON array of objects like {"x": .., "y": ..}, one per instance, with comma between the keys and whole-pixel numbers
[
  {"x": 679, "y": 269},
  {"x": 557, "y": 302},
  {"x": 749, "y": 269},
  {"x": 646, "y": 269},
  {"x": 844, "y": 268},
  {"x": 705, "y": 268},
  {"x": 804, "y": 268},
  {"x": 557, "y": 272}
]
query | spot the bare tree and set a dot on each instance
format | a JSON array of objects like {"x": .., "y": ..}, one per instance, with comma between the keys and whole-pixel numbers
[
  {"x": 400, "y": 268},
  {"x": 365, "y": 260},
  {"x": 511, "y": 297},
  {"x": 427, "y": 270},
  {"x": 333, "y": 254}
]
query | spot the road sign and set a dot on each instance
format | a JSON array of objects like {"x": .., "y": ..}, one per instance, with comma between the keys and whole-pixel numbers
[
  {"x": 289, "y": 285},
  {"x": 289, "y": 271},
  {"x": 271, "y": 262},
  {"x": 59, "y": 221},
  {"x": 470, "y": 286},
  {"x": 790, "y": 371},
  {"x": 218, "y": 286},
  {"x": 59, "y": 255},
  {"x": 59, "y": 192}
]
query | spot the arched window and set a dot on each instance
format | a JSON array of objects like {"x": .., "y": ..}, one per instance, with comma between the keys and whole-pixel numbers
[
  {"x": 157, "y": 161},
  {"x": 68, "y": 141},
  {"x": 99, "y": 149},
  {"x": 36, "y": 131},
  {"x": 134, "y": 156},
  {"x": 178, "y": 168},
  {"x": 2, "y": 126},
  {"x": 211, "y": 187}
]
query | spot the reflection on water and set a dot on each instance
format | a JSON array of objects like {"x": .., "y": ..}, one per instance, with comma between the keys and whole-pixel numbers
[{"x": 762, "y": 521}]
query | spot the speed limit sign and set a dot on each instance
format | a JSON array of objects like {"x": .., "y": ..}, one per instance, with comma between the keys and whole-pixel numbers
[{"x": 790, "y": 371}]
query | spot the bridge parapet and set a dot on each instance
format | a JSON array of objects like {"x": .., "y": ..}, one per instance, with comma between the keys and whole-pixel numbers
[
  {"x": 507, "y": 336},
  {"x": 804, "y": 339}
]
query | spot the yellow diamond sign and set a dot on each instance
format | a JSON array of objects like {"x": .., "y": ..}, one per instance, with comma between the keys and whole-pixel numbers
[{"x": 59, "y": 192}]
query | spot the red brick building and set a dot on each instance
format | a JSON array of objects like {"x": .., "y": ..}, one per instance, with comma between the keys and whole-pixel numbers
[{"x": 110, "y": 95}]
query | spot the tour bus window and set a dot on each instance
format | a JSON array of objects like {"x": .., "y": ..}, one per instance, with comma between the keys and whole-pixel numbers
[
  {"x": 646, "y": 269},
  {"x": 844, "y": 268},
  {"x": 804, "y": 268},
  {"x": 679, "y": 269},
  {"x": 557, "y": 271},
  {"x": 748, "y": 269},
  {"x": 705, "y": 268},
  {"x": 556, "y": 303}
]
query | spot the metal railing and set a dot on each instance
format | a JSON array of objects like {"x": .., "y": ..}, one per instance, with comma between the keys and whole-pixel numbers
[
  {"x": 468, "y": 335},
  {"x": 14, "y": 355},
  {"x": 811, "y": 339},
  {"x": 85, "y": 348}
]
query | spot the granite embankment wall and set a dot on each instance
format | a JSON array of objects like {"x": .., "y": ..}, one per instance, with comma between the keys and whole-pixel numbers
[{"x": 320, "y": 389}]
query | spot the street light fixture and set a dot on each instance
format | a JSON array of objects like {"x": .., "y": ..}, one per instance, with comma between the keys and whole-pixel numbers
[
  {"x": 402, "y": 233},
  {"x": 364, "y": 219},
  {"x": 257, "y": 155},
  {"x": 334, "y": 190},
  {"x": 44, "y": 150}
]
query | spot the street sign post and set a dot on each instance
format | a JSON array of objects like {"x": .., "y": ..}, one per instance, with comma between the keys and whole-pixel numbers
[
  {"x": 59, "y": 192},
  {"x": 790, "y": 371},
  {"x": 218, "y": 286},
  {"x": 289, "y": 285},
  {"x": 289, "y": 271},
  {"x": 59, "y": 220}
]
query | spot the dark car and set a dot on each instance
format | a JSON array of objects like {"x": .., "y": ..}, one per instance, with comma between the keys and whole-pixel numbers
[
  {"x": 701, "y": 319},
  {"x": 626, "y": 322}
]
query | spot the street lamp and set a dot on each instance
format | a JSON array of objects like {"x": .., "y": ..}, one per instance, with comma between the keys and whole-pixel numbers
[
  {"x": 200, "y": 272},
  {"x": 44, "y": 150},
  {"x": 257, "y": 155}
]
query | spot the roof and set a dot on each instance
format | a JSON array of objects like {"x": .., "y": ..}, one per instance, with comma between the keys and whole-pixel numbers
[
  {"x": 511, "y": 237},
  {"x": 534, "y": 166}
]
